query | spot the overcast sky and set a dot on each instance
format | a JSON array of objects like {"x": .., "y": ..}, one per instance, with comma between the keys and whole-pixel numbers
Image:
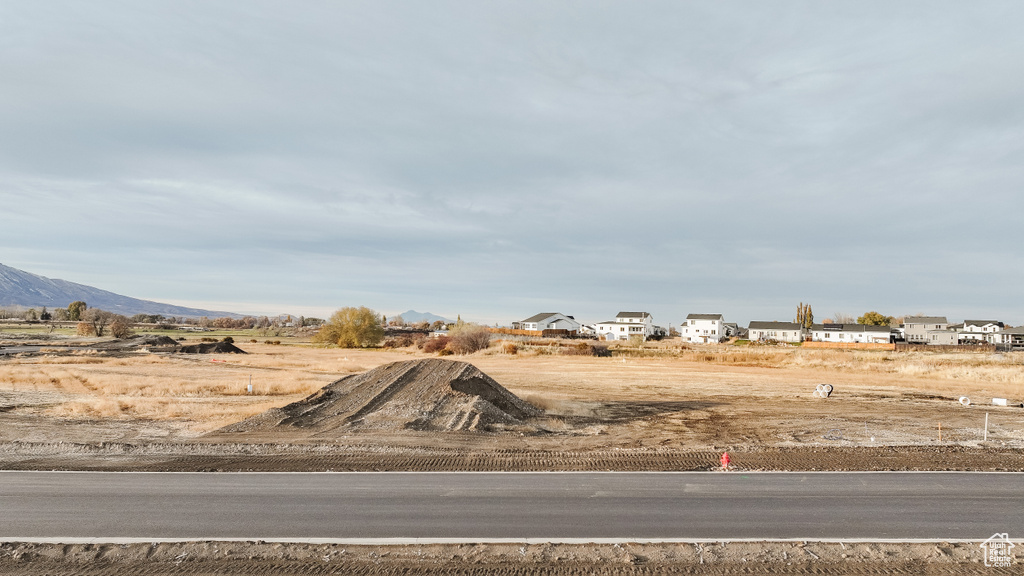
[{"x": 499, "y": 159}]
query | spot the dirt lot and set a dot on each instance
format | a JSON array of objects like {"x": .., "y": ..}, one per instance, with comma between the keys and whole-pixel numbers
[
  {"x": 659, "y": 408},
  {"x": 215, "y": 558}
]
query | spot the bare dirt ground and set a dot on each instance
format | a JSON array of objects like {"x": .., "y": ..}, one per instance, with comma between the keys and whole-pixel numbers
[
  {"x": 654, "y": 409},
  {"x": 216, "y": 558}
]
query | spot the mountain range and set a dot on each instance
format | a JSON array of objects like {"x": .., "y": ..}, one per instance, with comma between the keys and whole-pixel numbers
[
  {"x": 412, "y": 317},
  {"x": 24, "y": 289}
]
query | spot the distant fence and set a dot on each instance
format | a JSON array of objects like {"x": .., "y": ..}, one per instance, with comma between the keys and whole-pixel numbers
[
  {"x": 903, "y": 347},
  {"x": 851, "y": 345},
  {"x": 540, "y": 333}
]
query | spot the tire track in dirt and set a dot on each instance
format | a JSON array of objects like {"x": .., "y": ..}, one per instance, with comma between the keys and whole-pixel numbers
[{"x": 116, "y": 457}]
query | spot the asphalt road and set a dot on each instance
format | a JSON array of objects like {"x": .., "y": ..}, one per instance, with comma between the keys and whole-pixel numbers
[{"x": 484, "y": 506}]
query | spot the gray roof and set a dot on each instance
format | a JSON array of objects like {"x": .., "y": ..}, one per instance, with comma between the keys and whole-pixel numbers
[
  {"x": 632, "y": 315},
  {"x": 983, "y": 322},
  {"x": 852, "y": 328},
  {"x": 703, "y": 316},
  {"x": 1017, "y": 330},
  {"x": 774, "y": 326},
  {"x": 541, "y": 316},
  {"x": 925, "y": 320}
]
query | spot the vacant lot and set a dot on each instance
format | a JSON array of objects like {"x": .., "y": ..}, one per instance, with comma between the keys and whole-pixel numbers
[{"x": 659, "y": 400}]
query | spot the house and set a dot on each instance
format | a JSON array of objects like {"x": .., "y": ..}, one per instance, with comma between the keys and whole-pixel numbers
[
  {"x": 703, "y": 328},
  {"x": 979, "y": 331},
  {"x": 625, "y": 325},
  {"x": 924, "y": 330},
  {"x": 549, "y": 321},
  {"x": 851, "y": 333},
  {"x": 1012, "y": 338},
  {"x": 780, "y": 331}
]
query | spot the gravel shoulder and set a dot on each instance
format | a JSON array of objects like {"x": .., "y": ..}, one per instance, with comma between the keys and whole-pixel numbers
[{"x": 209, "y": 558}]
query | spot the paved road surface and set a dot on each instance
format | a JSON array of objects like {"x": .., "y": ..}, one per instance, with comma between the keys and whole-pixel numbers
[{"x": 474, "y": 506}]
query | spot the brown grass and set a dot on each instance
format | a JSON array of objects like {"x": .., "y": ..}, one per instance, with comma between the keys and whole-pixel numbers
[{"x": 206, "y": 392}]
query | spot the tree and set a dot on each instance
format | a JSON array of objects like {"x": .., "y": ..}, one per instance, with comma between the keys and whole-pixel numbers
[
  {"x": 396, "y": 321},
  {"x": 45, "y": 315},
  {"x": 875, "y": 319},
  {"x": 352, "y": 328},
  {"x": 99, "y": 320},
  {"x": 804, "y": 315},
  {"x": 467, "y": 338},
  {"x": 841, "y": 318},
  {"x": 437, "y": 325},
  {"x": 121, "y": 327},
  {"x": 75, "y": 310}
]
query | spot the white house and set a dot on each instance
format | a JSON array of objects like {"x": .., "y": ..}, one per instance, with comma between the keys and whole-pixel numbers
[
  {"x": 549, "y": 321},
  {"x": 626, "y": 324},
  {"x": 702, "y": 328},
  {"x": 780, "y": 331},
  {"x": 851, "y": 333},
  {"x": 980, "y": 331}
]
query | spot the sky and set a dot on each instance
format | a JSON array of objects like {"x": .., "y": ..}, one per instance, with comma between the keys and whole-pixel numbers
[{"x": 498, "y": 159}]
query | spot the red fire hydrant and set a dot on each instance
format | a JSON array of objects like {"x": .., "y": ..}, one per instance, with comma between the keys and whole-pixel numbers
[{"x": 725, "y": 460}]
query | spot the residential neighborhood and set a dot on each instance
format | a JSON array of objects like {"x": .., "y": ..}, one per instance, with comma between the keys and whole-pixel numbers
[{"x": 711, "y": 328}]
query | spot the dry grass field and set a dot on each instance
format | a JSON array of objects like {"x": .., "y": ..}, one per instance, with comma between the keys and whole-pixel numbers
[{"x": 662, "y": 395}]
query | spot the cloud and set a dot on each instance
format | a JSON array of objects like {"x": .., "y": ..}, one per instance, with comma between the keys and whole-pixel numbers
[{"x": 503, "y": 157}]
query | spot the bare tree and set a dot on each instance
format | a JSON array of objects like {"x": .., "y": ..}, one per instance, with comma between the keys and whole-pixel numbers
[
  {"x": 121, "y": 327},
  {"x": 842, "y": 318},
  {"x": 98, "y": 319}
]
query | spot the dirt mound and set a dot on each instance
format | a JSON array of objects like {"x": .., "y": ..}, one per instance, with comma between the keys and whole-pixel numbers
[
  {"x": 431, "y": 394},
  {"x": 152, "y": 341},
  {"x": 212, "y": 348}
]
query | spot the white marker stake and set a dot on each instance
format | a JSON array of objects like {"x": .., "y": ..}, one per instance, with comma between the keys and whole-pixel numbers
[{"x": 986, "y": 427}]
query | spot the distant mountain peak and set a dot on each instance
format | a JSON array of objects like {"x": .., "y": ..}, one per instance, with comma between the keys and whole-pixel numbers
[
  {"x": 20, "y": 288},
  {"x": 412, "y": 317}
]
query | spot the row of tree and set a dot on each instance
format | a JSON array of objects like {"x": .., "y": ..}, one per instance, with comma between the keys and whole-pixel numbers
[
  {"x": 362, "y": 328},
  {"x": 805, "y": 318}
]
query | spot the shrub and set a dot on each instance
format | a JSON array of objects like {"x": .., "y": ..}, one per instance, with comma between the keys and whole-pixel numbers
[
  {"x": 468, "y": 338},
  {"x": 121, "y": 328},
  {"x": 431, "y": 345},
  {"x": 228, "y": 339},
  {"x": 510, "y": 348},
  {"x": 581, "y": 349},
  {"x": 85, "y": 329},
  {"x": 587, "y": 349},
  {"x": 352, "y": 328},
  {"x": 403, "y": 341}
]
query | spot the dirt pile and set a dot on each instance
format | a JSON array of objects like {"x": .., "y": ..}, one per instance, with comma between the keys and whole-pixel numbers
[
  {"x": 149, "y": 341},
  {"x": 212, "y": 348},
  {"x": 432, "y": 394}
]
